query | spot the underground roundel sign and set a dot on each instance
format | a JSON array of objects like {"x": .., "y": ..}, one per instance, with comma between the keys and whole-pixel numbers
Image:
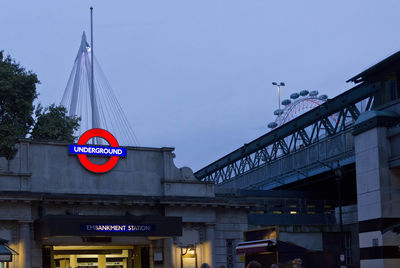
[{"x": 83, "y": 150}]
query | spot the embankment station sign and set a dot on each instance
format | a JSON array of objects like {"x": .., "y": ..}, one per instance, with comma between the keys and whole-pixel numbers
[
  {"x": 82, "y": 150},
  {"x": 84, "y": 225},
  {"x": 110, "y": 228}
]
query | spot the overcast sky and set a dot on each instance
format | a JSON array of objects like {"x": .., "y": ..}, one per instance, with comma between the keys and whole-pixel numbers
[{"x": 196, "y": 75}]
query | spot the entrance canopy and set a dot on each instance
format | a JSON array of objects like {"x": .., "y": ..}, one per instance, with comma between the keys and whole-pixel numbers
[
  {"x": 6, "y": 252},
  {"x": 74, "y": 225},
  {"x": 255, "y": 246}
]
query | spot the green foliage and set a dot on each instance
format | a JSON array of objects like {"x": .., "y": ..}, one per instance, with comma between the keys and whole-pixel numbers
[
  {"x": 53, "y": 124},
  {"x": 17, "y": 93}
]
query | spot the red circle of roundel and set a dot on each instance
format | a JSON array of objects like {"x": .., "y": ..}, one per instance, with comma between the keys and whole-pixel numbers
[{"x": 98, "y": 132}]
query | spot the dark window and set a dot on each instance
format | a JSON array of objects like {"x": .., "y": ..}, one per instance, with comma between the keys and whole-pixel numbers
[
  {"x": 46, "y": 257},
  {"x": 229, "y": 253},
  {"x": 390, "y": 90},
  {"x": 145, "y": 257},
  {"x": 393, "y": 89},
  {"x": 348, "y": 249}
]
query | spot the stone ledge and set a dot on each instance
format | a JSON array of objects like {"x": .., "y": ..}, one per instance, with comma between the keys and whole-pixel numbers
[
  {"x": 372, "y": 119},
  {"x": 185, "y": 181},
  {"x": 15, "y": 174}
]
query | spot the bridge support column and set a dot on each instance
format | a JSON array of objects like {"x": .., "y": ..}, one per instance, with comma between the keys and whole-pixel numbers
[{"x": 378, "y": 191}]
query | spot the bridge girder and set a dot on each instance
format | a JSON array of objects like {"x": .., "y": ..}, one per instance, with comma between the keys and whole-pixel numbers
[{"x": 334, "y": 116}]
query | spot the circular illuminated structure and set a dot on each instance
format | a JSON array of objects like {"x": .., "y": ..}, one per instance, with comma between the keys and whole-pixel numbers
[
  {"x": 298, "y": 104},
  {"x": 100, "y": 133}
]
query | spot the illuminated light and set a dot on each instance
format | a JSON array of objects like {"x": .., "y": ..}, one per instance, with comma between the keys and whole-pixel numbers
[
  {"x": 117, "y": 227},
  {"x": 293, "y": 212},
  {"x": 188, "y": 252},
  {"x": 96, "y": 150},
  {"x": 82, "y": 149}
]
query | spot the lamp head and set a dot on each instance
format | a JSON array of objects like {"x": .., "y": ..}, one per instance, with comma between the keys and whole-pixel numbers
[
  {"x": 338, "y": 172},
  {"x": 282, "y": 84},
  {"x": 275, "y": 83}
]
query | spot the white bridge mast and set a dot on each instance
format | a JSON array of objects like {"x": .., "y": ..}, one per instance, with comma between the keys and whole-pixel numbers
[{"x": 85, "y": 87}]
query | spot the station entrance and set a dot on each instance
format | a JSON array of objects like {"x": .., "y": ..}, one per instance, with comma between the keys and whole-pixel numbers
[
  {"x": 102, "y": 256},
  {"x": 72, "y": 241}
]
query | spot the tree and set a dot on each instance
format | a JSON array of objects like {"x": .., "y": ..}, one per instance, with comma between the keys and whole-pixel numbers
[
  {"x": 53, "y": 124},
  {"x": 17, "y": 93}
]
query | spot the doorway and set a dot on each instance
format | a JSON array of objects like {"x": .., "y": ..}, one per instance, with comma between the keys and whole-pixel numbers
[{"x": 101, "y": 256}]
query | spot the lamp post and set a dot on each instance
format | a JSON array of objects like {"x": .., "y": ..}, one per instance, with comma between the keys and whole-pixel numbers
[
  {"x": 339, "y": 176},
  {"x": 281, "y": 84}
]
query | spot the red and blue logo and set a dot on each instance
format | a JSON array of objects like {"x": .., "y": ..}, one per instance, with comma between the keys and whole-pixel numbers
[{"x": 82, "y": 149}]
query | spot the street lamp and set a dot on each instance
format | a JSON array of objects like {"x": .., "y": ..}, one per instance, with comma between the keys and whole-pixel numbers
[
  {"x": 281, "y": 84},
  {"x": 339, "y": 177}
]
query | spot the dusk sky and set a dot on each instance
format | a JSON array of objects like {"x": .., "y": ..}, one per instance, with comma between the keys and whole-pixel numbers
[{"x": 196, "y": 75}]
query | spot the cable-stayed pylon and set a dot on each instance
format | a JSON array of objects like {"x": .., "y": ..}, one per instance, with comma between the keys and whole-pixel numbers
[{"x": 97, "y": 107}]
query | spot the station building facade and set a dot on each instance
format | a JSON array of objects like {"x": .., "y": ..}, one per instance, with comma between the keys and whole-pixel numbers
[{"x": 145, "y": 212}]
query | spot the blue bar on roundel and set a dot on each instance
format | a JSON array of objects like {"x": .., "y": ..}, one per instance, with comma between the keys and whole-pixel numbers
[{"x": 97, "y": 150}]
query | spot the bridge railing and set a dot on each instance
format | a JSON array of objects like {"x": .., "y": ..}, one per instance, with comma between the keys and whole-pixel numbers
[{"x": 296, "y": 165}]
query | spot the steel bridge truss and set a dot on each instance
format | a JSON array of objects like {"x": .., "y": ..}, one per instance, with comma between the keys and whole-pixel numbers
[{"x": 332, "y": 117}]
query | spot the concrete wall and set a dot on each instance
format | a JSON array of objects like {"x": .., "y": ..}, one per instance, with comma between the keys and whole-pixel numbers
[
  {"x": 230, "y": 225},
  {"x": 378, "y": 192},
  {"x": 44, "y": 179},
  {"x": 48, "y": 167}
]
